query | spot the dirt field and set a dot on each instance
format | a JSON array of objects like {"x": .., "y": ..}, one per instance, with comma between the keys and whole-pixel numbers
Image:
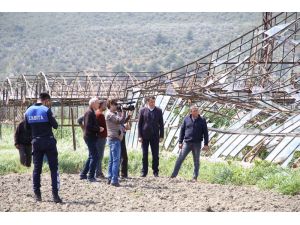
[{"x": 139, "y": 194}]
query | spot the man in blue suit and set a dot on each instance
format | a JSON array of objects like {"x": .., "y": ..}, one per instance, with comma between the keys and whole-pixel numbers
[{"x": 39, "y": 119}]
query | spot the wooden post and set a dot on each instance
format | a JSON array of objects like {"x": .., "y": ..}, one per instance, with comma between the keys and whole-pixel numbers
[
  {"x": 73, "y": 130},
  {"x": 0, "y": 131},
  {"x": 14, "y": 115},
  {"x": 61, "y": 119}
]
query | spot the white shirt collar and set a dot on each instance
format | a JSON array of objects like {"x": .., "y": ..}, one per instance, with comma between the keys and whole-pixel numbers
[{"x": 150, "y": 108}]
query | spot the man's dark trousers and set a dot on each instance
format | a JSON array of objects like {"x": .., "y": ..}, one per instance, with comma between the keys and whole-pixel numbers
[
  {"x": 195, "y": 148},
  {"x": 124, "y": 159},
  {"x": 25, "y": 152},
  {"x": 45, "y": 146},
  {"x": 154, "y": 144},
  {"x": 91, "y": 163}
]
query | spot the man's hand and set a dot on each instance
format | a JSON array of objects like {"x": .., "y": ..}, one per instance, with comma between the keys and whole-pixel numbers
[
  {"x": 17, "y": 146},
  {"x": 205, "y": 148},
  {"x": 82, "y": 127},
  {"x": 101, "y": 129},
  {"x": 180, "y": 146},
  {"x": 161, "y": 139},
  {"x": 129, "y": 113},
  {"x": 140, "y": 139}
]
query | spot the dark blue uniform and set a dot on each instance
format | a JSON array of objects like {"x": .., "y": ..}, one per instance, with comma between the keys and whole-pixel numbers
[{"x": 39, "y": 119}]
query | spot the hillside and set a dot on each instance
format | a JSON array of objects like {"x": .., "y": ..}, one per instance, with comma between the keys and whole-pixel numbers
[{"x": 30, "y": 42}]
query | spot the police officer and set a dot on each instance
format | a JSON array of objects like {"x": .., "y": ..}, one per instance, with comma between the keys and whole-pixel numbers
[{"x": 39, "y": 119}]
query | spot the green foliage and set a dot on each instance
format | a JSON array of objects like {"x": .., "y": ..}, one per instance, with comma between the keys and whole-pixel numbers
[
  {"x": 161, "y": 39},
  {"x": 263, "y": 174},
  {"x": 9, "y": 162},
  {"x": 223, "y": 118},
  {"x": 7, "y": 141},
  {"x": 71, "y": 162},
  {"x": 118, "y": 68},
  {"x": 296, "y": 157},
  {"x": 290, "y": 186},
  {"x": 263, "y": 153},
  {"x": 153, "y": 67},
  {"x": 32, "y": 42}
]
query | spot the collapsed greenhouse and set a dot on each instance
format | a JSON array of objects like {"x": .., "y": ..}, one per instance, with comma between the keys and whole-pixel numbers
[{"x": 248, "y": 90}]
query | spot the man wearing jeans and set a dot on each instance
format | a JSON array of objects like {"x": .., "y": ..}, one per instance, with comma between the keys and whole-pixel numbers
[
  {"x": 101, "y": 140},
  {"x": 91, "y": 132},
  {"x": 114, "y": 137},
  {"x": 193, "y": 130}
]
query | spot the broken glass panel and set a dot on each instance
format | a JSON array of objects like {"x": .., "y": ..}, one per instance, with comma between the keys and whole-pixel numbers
[
  {"x": 294, "y": 42},
  {"x": 219, "y": 62},
  {"x": 296, "y": 96},
  {"x": 289, "y": 89},
  {"x": 287, "y": 151},
  {"x": 274, "y": 30},
  {"x": 235, "y": 126},
  {"x": 222, "y": 80},
  {"x": 170, "y": 90},
  {"x": 257, "y": 89},
  {"x": 279, "y": 148},
  {"x": 209, "y": 82}
]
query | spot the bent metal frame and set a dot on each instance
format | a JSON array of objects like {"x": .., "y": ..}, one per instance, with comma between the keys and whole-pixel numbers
[{"x": 248, "y": 89}]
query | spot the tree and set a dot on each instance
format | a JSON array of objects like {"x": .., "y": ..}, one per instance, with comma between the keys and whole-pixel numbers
[
  {"x": 189, "y": 35},
  {"x": 169, "y": 60},
  {"x": 118, "y": 68},
  {"x": 153, "y": 67},
  {"x": 160, "y": 39}
]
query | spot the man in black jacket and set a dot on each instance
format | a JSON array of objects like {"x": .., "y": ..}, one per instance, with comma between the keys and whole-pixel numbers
[
  {"x": 23, "y": 144},
  {"x": 39, "y": 119},
  {"x": 150, "y": 131},
  {"x": 91, "y": 132},
  {"x": 193, "y": 130}
]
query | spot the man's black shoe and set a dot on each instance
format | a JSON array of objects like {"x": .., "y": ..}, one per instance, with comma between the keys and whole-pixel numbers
[
  {"x": 92, "y": 180},
  {"x": 83, "y": 177},
  {"x": 155, "y": 174},
  {"x": 100, "y": 175},
  {"x": 143, "y": 175},
  {"x": 108, "y": 181},
  {"x": 38, "y": 196},
  {"x": 172, "y": 176},
  {"x": 115, "y": 184},
  {"x": 56, "y": 198}
]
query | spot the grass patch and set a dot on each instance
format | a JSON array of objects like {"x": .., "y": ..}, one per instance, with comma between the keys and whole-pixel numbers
[{"x": 263, "y": 174}]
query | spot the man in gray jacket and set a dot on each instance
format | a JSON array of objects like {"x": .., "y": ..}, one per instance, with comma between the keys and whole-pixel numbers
[{"x": 114, "y": 137}]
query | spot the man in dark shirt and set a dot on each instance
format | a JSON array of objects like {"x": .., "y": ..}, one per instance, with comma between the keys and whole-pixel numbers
[
  {"x": 150, "y": 131},
  {"x": 91, "y": 133},
  {"x": 39, "y": 119},
  {"x": 193, "y": 130},
  {"x": 124, "y": 156},
  {"x": 23, "y": 144}
]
